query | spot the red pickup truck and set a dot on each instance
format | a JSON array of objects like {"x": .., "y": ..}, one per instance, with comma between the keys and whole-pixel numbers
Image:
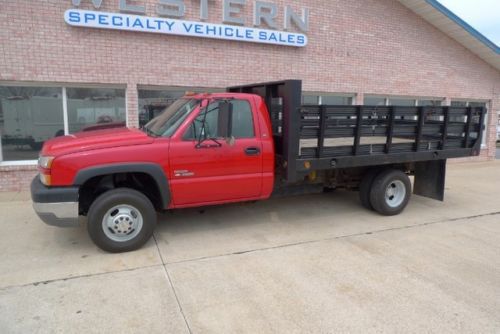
[{"x": 244, "y": 145}]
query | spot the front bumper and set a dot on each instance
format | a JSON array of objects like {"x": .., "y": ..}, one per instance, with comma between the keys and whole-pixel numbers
[{"x": 56, "y": 206}]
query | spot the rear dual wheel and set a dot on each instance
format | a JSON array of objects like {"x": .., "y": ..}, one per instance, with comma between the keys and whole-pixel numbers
[{"x": 387, "y": 191}]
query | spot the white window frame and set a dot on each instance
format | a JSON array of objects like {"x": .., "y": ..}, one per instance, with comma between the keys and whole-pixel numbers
[{"x": 173, "y": 88}]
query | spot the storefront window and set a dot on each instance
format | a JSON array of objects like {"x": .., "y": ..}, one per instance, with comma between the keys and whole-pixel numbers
[
  {"x": 28, "y": 117},
  {"x": 310, "y": 99},
  {"x": 477, "y": 104},
  {"x": 374, "y": 101},
  {"x": 474, "y": 104},
  {"x": 91, "y": 106},
  {"x": 459, "y": 103},
  {"x": 336, "y": 100},
  {"x": 429, "y": 103},
  {"x": 153, "y": 101},
  {"x": 485, "y": 132},
  {"x": 401, "y": 102}
]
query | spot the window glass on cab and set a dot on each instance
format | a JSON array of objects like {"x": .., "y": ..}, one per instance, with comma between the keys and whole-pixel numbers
[{"x": 241, "y": 126}]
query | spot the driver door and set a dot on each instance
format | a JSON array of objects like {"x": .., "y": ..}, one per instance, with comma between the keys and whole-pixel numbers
[{"x": 217, "y": 170}]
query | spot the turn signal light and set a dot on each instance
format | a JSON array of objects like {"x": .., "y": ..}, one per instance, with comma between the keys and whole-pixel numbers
[{"x": 46, "y": 179}]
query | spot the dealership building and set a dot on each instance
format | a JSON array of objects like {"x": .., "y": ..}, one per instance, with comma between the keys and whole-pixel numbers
[{"x": 66, "y": 65}]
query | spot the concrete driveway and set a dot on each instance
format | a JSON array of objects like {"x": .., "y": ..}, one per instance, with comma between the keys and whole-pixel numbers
[{"x": 307, "y": 264}]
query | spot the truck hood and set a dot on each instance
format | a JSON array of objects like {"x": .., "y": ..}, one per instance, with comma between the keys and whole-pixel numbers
[{"x": 93, "y": 140}]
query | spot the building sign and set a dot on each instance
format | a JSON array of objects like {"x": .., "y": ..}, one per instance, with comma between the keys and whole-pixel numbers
[{"x": 236, "y": 30}]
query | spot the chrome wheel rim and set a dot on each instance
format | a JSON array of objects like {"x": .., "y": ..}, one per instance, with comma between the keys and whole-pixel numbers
[
  {"x": 122, "y": 223},
  {"x": 395, "y": 193}
]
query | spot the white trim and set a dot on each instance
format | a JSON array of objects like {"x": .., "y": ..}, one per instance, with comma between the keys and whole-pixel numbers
[
  {"x": 65, "y": 111},
  {"x": 15, "y": 163}
]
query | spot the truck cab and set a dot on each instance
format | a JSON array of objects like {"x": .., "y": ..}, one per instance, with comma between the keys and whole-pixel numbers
[{"x": 222, "y": 152}]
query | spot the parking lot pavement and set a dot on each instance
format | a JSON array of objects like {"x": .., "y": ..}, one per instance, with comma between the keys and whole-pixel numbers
[
  {"x": 131, "y": 301},
  {"x": 316, "y": 263},
  {"x": 438, "y": 278}
]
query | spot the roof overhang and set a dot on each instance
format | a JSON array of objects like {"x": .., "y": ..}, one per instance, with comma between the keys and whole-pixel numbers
[{"x": 453, "y": 26}]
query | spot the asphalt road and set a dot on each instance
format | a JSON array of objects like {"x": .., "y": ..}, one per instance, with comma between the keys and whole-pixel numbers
[{"x": 303, "y": 264}]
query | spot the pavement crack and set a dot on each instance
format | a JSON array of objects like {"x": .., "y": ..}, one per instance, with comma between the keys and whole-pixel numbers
[
  {"x": 167, "y": 275},
  {"x": 55, "y": 280},
  {"x": 332, "y": 238}
]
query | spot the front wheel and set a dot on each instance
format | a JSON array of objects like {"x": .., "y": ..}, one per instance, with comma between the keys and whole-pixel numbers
[
  {"x": 390, "y": 192},
  {"x": 121, "y": 220}
]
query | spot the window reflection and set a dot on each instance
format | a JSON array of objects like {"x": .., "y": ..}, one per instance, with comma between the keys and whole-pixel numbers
[
  {"x": 374, "y": 101},
  {"x": 401, "y": 102},
  {"x": 152, "y": 102},
  {"x": 28, "y": 117},
  {"x": 326, "y": 100},
  {"x": 95, "y": 108},
  {"x": 429, "y": 103}
]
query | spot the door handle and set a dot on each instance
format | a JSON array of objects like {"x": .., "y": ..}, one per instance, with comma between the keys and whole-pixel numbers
[{"x": 252, "y": 151}]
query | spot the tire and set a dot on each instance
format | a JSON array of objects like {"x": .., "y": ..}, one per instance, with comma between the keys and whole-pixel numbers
[
  {"x": 390, "y": 192},
  {"x": 365, "y": 187},
  {"x": 128, "y": 216}
]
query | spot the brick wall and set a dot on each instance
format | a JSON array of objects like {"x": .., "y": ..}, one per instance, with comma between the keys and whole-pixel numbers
[
  {"x": 358, "y": 47},
  {"x": 16, "y": 178}
]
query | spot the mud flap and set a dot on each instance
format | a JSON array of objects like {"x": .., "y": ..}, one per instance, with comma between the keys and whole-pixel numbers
[{"x": 430, "y": 179}]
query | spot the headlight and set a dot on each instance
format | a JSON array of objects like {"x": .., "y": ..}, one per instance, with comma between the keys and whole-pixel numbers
[{"x": 45, "y": 162}]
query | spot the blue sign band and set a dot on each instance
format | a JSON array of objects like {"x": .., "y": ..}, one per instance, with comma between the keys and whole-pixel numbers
[{"x": 118, "y": 21}]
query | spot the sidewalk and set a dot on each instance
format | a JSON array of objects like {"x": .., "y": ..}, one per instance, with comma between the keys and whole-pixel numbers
[{"x": 303, "y": 264}]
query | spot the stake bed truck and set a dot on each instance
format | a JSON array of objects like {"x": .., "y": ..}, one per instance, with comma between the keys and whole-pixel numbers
[{"x": 250, "y": 143}]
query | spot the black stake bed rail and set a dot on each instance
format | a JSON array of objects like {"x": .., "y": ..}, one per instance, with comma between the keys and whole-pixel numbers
[
  {"x": 353, "y": 136},
  {"x": 322, "y": 137}
]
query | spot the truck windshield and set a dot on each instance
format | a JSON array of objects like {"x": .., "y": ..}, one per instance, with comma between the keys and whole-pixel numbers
[{"x": 171, "y": 118}]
